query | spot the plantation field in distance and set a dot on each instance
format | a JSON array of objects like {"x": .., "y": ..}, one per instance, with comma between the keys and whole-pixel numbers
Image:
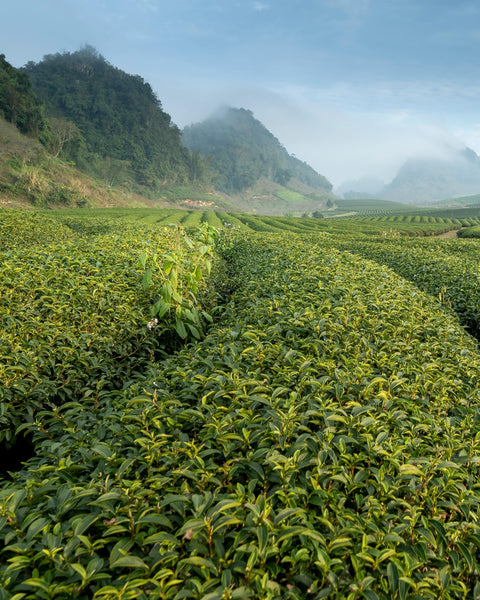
[
  {"x": 216, "y": 406},
  {"x": 419, "y": 224}
]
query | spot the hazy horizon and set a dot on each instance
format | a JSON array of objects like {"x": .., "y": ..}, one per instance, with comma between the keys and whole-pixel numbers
[{"x": 353, "y": 87}]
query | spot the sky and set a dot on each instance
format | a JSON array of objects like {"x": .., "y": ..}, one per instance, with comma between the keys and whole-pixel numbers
[{"x": 353, "y": 87}]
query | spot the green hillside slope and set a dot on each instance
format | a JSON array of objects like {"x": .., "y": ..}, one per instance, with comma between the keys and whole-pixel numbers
[
  {"x": 123, "y": 131},
  {"x": 246, "y": 155}
]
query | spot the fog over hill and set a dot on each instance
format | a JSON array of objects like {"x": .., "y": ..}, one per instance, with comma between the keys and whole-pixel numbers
[
  {"x": 365, "y": 187},
  {"x": 426, "y": 180},
  {"x": 243, "y": 150},
  {"x": 423, "y": 180}
]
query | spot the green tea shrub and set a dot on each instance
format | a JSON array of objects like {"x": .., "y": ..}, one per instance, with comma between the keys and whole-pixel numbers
[
  {"x": 446, "y": 269},
  {"x": 192, "y": 219},
  {"x": 470, "y": 232},
  {"x": 77, "y": 317},
  {"x": 320, "y": 441},
  {"x": 29, "y": 228}
]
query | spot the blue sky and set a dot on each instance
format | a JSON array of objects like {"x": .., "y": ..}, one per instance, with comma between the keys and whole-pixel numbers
[{"x": 351, "y": 86}]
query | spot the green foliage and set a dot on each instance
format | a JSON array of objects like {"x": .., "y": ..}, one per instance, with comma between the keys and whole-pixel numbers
[
  {"x": 381, "y": 227},
  {"x": 320, "y": 441},
  {"x": 120, "y": 119},
  {"x": 23, "y": 229},
  {"x": 76, "y": 320},
  {"x": 443, "y": 268},
  {"x": 290, "y": 196},
  {"x": 181, "y": 272},
  {"x": 470, "y": 232},
  {"x": 18, "y": 103}
]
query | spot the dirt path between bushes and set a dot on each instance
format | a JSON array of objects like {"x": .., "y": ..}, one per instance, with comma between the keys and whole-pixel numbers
[{"x": 449, "y": 234}]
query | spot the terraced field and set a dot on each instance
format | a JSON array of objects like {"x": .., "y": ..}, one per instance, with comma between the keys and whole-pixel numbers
[
  {"x": 385, "y": 225},
  {"x": 288, "y": 410}
]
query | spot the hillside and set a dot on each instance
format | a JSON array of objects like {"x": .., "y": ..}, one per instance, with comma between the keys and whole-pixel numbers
[
  {"x": 422, "y": 181},
  {"x": 111, "y": 127},
  {"x": 31, "y": 176},
  {"x": 31, "y": 172},
  {"x": 119, "y": 130},
  {"x": 50, "y": 161},
  {"x": 253, "y": 166}
]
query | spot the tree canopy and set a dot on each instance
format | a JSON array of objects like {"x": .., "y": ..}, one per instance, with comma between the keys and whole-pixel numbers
[
  {"x": 118, "y": 115},
  {"x": 18, "y": 103}
]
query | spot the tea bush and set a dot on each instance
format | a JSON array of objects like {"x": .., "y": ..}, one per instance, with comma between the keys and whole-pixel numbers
[
  {"x": 29, "y": 228},
  {"x": 470, "y": 232},
  {"x": 75, "y": 317},
  {"x": 446, "y": 269},
  {"x": 320, "y": 441}
]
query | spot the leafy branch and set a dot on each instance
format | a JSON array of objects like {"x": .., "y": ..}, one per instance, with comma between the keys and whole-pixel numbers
[{"x": 178, "y": 277}]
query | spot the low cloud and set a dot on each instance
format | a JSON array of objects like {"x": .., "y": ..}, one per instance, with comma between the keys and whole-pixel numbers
[
  {"x": 346, "y": 146},
  {"x": 340, "y": 143}
]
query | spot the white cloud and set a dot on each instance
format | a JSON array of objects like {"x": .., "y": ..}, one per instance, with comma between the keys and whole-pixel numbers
[
  {"x": 260, "y": 6},
  {"x": 470, "y": 135},
  {"x": 149, "y": 5},
  {"x": 344, "y": 131}
]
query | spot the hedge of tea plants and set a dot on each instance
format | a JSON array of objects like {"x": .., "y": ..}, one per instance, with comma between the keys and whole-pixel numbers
[
  {"x": 446, "y": 269},
  {"x": 470, "y": 232},
  {"x": 30, "y": 228},
  {"x": 321, "y": 441},
  {"x": 82, "y": 314},
  {"x": 405, "y": 225}
]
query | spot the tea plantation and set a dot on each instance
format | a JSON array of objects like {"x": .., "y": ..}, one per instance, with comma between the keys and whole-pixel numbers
[{"x": 289, "y": 409}]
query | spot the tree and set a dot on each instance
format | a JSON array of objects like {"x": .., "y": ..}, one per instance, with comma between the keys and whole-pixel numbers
[
  {"x": 282, "y": 176},
  {"x": 61, "y": 132}
]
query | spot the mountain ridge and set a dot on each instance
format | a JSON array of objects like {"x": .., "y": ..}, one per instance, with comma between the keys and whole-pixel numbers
[
  {"x": 112, "y": 127},
  {"x": 235, "y": 139},
  {"x": 422, "y": 180}
]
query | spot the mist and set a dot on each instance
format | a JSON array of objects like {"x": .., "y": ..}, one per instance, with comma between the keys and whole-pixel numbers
[{"x": 343, "y": 145}]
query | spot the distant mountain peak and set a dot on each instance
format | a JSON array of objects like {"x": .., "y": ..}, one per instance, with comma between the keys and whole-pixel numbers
[{"x": 424, "y": 180}]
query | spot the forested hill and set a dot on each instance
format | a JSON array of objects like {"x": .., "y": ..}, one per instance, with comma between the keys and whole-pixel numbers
[
  {"x": 119, "y": 122},
  {"x": 18, "y": 103},
  {"x": 242, "y": 150}
]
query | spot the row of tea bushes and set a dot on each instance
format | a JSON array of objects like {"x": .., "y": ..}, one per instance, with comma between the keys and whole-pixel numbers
[
  {"x": 405, "y": 225},
  {"x": 320, "y": 441},
  {"x": 75, "y": 319},
  {"x": 27, "y": 228},
  {"x": 470, "y": 232},
  {"x": 446, "y": 269}
]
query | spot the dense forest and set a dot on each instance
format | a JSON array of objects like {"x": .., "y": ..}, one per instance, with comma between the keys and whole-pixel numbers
[
  {"x": 18, "y": 103},
  {"x": 108, "y": 121},
  {"x": 242, "y": 150}
]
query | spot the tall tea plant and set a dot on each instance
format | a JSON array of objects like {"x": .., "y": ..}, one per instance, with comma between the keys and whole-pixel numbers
[{"x": 178, "y": 277}]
